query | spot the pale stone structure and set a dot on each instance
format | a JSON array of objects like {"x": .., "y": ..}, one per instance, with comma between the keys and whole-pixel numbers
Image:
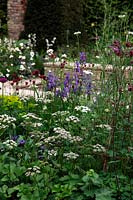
[{"x": 16, "y": 12}]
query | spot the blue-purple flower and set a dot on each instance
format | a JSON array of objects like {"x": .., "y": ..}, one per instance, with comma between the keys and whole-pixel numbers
[
  {"x": 51, "y": 81},
  {"x": 21, "y": 142},
  {"x": 77, "y": 67},
  {"x": 82, "y": 57}
]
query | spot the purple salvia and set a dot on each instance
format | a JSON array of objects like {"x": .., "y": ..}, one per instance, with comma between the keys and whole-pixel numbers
[
  {"x": 77, "y": 67},
  {"x": 82, "y": 57},
  {"x": 51, "y": 81}
]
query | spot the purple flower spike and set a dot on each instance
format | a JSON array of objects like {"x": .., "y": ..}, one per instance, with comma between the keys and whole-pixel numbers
[
  {"x": 51, "y": 81},
  {"x": 82, "y": 57},
  {"x": 77, "y": 66}
]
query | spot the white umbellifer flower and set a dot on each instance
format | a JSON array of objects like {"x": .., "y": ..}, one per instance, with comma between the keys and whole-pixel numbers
[
  {"x": 10, "y": 144},
  {"x": 72, "y": 119},
  {"x": 6, "y": 121},
  {"x": 63, "y": 134},
  {"x": 47, "y": 100},
  {"x": 52, "y": 153},
  {"x": 77, "y": 33},
  {"x": 70, "y": 155},
  {"x": 32, "y": 171},
  {"x": 50, "y": 139},
  {"x": 83, "y": 109},
  {"x": 76, "y": 139},
  {"x": 108, "y": 127},
  {"x": 62, "y": 113},
  {"x": 31, "y": 116},
  {"x": 37, "y": 125},
  {"x": 99, "y": 148}
]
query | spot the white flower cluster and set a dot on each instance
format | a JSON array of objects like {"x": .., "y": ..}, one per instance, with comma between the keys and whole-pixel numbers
[
  {"x": 70, "y": 156},
  {"x": 63, "y": 134},
  {"x": 50, "y": 139},
  {"x": 99, "y": 148},
  {"x": 36, "y": 134},
  {"x": 31, "y": 116},
  {"x": 76, "y": 139},
  {"x": 49, "y": 94},
  {"x": 48, "y": 98},
  {"x": 6, "y": 121},
  {"x": 77, "y": 33},
  {"x": 47, "y": 101},
  {"x": 60, "y": 113},
  {"x": 108, "y": 127},
  {"x": 31, "y": 124},
  {"x": 73, "y": 119},
  {"x": 16, "y": 52},
  {"x": 32, "y": 171},
  {"x": 52, "y": 153},
  {"x": 83, "y": 109},
  {"x": 24, "y": 98},
  {"x": 10, "y": 144},
  {"x": 37, "y": 125},
  {"x": 32, "y": 40}
]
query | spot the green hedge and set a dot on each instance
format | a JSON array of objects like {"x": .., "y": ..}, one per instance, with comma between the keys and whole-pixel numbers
[
  {"x": 56, "y": 18},
  {"x": 3, "y": 17}
]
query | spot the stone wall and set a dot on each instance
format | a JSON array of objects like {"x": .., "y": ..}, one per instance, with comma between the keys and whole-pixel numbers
[{"x": 15, "y": 12}]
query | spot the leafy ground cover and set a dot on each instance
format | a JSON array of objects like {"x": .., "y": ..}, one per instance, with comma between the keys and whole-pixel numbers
[{"x": 74, "y": 139}]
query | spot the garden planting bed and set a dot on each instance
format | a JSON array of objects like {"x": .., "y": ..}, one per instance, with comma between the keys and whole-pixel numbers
[
  {"x": 96, "y": 69},
  {"x": 26, "y": 87}
]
